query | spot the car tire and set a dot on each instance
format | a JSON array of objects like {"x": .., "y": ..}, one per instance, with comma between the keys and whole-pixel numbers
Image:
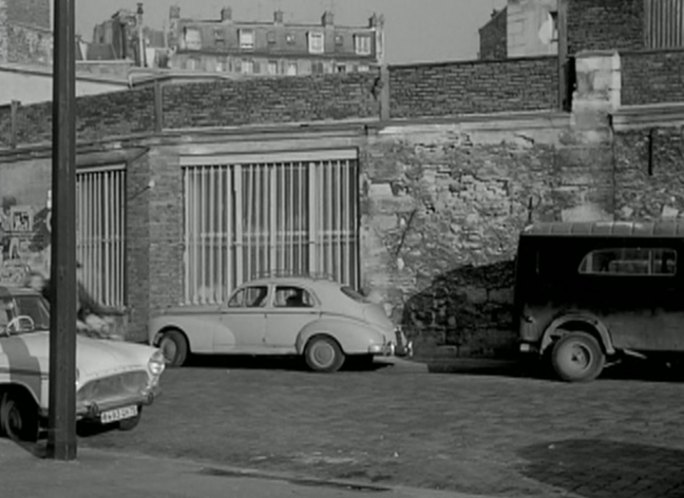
[
  {"x": 174, "y": 346},
  {"x": 129, "y": 424},
  {"x": 577, "y": 357},
  {"x": 323, "y": 354},
  {"x": 19, "y": 417}
]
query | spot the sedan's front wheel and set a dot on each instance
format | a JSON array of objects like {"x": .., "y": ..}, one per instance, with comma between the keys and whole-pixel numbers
[
  {"x": 18, "y": 417},
  {"x": 323, "y": 354}
]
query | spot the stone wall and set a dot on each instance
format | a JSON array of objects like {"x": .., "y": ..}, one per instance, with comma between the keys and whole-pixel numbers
[
  {"x": 442, "y": 209},
  {"x": 652, "y": 77},
  {"x": 28, "y": 45},
  {"x": 649, "y": 173},
  {"x": 472, "y": 87},
  {"x": 605, "y": 25}
]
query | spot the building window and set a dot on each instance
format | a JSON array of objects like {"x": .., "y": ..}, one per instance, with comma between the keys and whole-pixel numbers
[
  {"x": 246, "y": 39},
  {"x": 219, "y": 35},
  {"x": 339, "y": 40},
  {"x": 296, "y": 214},
  {"x": 192, "y": 64},
  {"x": 291, "y": 69},
  {"x": 247, "y": 67},
  {"x": 290, "y": 38},
  {"x": 272, "y": 67},
  {"x": 219, "y": 67},
  {"x": 193, "y": 39},
  {"x": 316, "y": 68},
  {"x": 341, "y": 68},
  {"x": 363, "y": 68},
  {"x": 362, "y": 44},
  {"x": 316, "y": 43},
  {"x": 271, "y": 37}
]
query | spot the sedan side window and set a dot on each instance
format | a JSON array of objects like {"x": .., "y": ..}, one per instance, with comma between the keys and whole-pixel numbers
[
  {"x": 292, "y": 297},
  {"x": 249, "y": 297}
]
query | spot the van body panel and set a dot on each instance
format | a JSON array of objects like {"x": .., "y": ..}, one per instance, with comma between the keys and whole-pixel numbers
[{"x": 628, "y": 278}]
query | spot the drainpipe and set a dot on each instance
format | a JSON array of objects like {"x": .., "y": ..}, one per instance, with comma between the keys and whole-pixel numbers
[{"x": 141, "y": 39}]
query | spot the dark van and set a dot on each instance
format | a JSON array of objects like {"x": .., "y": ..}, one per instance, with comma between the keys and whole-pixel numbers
[{"x": 588, "y": 293}]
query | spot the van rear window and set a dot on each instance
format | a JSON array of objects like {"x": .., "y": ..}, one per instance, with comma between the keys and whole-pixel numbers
[{"x": 630, "y": 261}]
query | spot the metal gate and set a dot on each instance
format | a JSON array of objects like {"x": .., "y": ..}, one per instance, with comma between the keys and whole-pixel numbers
[
  {"x": 251, "y": 215},
  {"x": 100, "y": 232}
]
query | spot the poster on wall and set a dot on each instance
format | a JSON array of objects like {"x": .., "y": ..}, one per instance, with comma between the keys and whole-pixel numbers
[{"x": 24, "y": 239}]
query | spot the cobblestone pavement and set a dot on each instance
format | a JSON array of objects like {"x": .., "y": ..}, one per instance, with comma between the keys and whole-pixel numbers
[{"x": 476, "y": 432}]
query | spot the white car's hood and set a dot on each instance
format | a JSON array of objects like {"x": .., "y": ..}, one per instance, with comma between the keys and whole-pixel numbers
[{"x": 94, "y": 357}]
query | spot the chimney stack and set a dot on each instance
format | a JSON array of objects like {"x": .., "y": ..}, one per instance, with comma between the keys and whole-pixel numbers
[
  {"x": 278, "y": 17},
  {"x": 226, "y": 14},
  {"x": 328, "y": 18},
  {"x": 174, "y": 12}
]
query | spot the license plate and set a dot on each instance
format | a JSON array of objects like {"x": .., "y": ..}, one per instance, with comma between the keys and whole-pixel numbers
[{"x": 118, "y": 414}]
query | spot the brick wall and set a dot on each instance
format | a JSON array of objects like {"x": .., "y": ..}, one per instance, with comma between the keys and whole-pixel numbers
[
  {"x": 29, "y": 12},
  {"x": 98, "y": 117},
  {"x": 652, "y": 77},
  {"x": 605, "y": 25},
  {"x": 138, "y": 246},
  {"x": 472, "y": 87},
  {"x": 270, "y": 100},
  {"x": 493, "y": 37}
]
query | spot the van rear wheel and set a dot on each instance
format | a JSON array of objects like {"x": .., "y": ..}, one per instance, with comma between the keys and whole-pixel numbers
[{"x": 577, "y": 357}]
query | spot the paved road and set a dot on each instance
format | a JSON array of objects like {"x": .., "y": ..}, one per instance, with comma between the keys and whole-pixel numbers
[{"x": 481, "y": 432}]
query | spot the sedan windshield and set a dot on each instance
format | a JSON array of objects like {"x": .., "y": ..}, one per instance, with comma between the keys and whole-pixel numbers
[{"x": 34, "y": 307}]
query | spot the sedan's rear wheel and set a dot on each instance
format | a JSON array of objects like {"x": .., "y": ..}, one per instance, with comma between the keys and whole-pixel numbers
[
  {"x": 19, "y": 417},
  {"x": 323, "y": 354},
  {"x": 174, "y": 346}
]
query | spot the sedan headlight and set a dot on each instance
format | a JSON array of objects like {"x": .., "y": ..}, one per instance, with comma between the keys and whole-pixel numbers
[{"x": 157, "y": 363}]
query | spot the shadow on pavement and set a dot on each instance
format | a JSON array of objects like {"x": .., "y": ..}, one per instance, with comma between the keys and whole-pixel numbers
[
  {"x": 631, "y": 369},
  {"x": 290, "y": 363},
  {"x": 595, "y": 468}
]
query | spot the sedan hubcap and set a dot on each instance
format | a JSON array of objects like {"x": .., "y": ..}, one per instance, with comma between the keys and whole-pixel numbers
[
  {"x": 169, "y": 350},
  {"x": 323, "y": 354}
]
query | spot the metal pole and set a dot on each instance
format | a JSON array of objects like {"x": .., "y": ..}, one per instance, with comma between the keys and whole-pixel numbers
[{"x": 62, "y": 400}]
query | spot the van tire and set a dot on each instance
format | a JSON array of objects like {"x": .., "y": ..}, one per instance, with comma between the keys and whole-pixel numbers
[{"x": 577, "y": 357}]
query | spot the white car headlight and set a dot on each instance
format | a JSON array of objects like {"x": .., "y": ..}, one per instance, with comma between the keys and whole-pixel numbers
[{"x": 157, "y": 363}]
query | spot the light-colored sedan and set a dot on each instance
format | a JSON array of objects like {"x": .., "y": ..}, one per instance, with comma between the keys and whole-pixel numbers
[
  {"x": 114, "y": 379},
  {"x": 321, "y": 320}
]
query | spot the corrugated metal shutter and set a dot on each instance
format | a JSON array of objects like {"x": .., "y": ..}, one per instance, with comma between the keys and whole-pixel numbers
[
  {"x": 100, "y": 232},
  {"x": 252, "y": 215}
]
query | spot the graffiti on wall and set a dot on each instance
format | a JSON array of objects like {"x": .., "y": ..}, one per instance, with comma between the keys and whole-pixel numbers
[{"x": 24, "y": 240}]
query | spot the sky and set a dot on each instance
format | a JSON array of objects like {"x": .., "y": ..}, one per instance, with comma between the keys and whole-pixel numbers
[{"x": 415, "y": 30}]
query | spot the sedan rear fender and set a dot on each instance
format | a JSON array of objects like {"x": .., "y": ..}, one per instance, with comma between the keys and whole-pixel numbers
[
  {"x": 354, "y": 337},
  {"x": 199, "y": 330}
]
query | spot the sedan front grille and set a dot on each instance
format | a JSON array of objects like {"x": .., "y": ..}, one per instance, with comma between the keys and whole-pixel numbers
[{"x": 114, "y": 386}]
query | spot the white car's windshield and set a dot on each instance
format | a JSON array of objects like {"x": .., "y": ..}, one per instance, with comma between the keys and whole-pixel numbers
[{"x": 34, "y": 307}]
